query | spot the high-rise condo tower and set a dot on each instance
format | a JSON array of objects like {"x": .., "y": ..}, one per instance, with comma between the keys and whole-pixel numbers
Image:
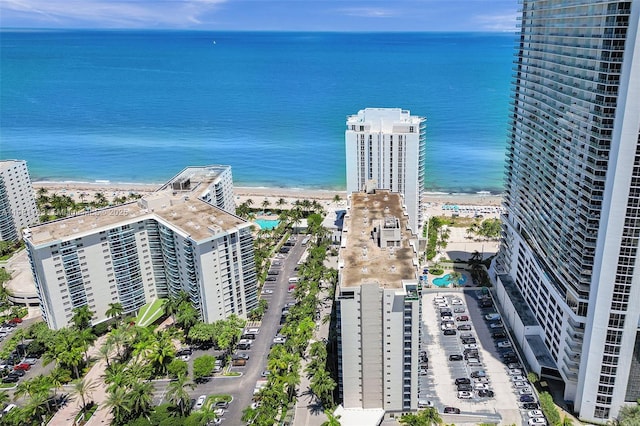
[{"x": 568, "y": 274}]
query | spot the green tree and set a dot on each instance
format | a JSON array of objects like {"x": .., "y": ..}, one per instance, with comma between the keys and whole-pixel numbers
[
  {"x": 203, "y": 367},
  {"x": 454, "y": 278},
  {"x": 83, "y": 389},
  {"x": 179, "y": 396},
  {"x": 118, "y": 403},
  {"x": 426, "y": 417},
  {"x": 115, "y": 310},
  {"x": 629, "y": 415},
  {"x": 202, "y": 333},
  {"x": 332, "y": 419},
  {"x": 140, "y": 398},
  {"x": 178, "y": 367},
  {"x": 82, "y": 317}
]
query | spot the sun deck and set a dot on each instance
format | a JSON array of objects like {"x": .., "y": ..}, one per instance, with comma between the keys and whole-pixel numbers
[{"x": 362, "y": 260}]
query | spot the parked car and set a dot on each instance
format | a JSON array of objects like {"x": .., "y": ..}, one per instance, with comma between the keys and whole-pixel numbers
[
  {"x": 200, "y": 402},
  {"x": 479, "y": 373},
  {"x": 471, "y": 346},
  {"x": 469, "y": 341},
  {"x": 465, "y": 395},
  {"x": 449, "y": 332},
  {"x": 464, "y": 327},
  {"x": 15, "y": 320},
  {"x": 525, "y": 391},
  {"x": 279, "y": 339},
  {"x": 530, "y": 406},
  {"x": 10, "y": 379},
  {"x": 424, "y": 403},
  {"x": 238, "y": 362},
  {"x": 221, "y": 404},
  {"x": 451, "y": 410},
  {"x": 456, "y": 302},
  {"x": 466, "y": 335},
  {"x": 423, "y": 372},
  {"x": 537, "y": 421},
  {"x": 498, "y": 335},
  {"x": 520, "y": 384},
  {"x": 465, "y": 388},
  {"x": 481, "y": 386},
  {"x": 518, "y": 378},
  {"x": 271, "y": 278},
  {"x": 527, "y": 398},
  {"x": 504, "y": 344},
  {"x": 496, "y": 325},
  {"x": 535, "y": 413},
  {"x": 462, "y": 318},
  {"x": 459, "y": 309},
  {"x": 486, "y": 393},
  {"x": 456, "y": 357},
  {"x": 463, "y": 381},
  {"x": 515, "y": 372},
  {"x": 481, "y": 380},
  {"x": 22, "y": 366},
  {"x": 514, "y": 365}
]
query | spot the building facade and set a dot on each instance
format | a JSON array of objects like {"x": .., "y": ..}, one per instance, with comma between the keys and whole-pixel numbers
[
  {"x": 378, "y": 306},
  {"x": 567, "y": 274},
  {"x": 167, "y": 242},
  {"x": 17, "y": 201},
  {"x": 385, "y": 149}
]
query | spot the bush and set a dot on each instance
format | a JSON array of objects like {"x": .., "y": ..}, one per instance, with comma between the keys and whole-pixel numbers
[
  {"x": 178, "y": 367},
  {"x": 436, "y": 271},
  {"x": 203, "y": 366},
  {"x": 549, "y": 409}
]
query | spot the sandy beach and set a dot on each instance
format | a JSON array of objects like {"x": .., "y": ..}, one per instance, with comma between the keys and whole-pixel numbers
[{"x": 434, "y": 202}]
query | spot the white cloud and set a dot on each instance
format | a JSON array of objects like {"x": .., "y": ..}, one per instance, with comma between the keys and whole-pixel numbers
[
  {"x": 111, "y": 13},
  {"x": 499, "y": 22},
  {"x": 369, "y": 12}
]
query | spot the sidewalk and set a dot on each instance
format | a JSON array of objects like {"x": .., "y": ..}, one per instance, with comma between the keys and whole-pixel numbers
[
  {"x": 66, "y": 415},
  {"x": 308, "y": 411}
]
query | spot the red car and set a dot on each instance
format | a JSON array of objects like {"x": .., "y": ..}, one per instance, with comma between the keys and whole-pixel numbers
[
  {"x": 24, "y": 367},
  {"x": 15, "y": 320}
]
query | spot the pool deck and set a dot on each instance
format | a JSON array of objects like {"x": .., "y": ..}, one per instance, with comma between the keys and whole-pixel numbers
[{"x": 468, "y": 282}]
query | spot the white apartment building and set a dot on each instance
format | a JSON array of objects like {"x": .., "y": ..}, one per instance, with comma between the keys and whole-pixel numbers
[
  {"x": 213, "y": 184},
  {"x": 17, "y": 201},
  {"x": 567, "y": 273},
  {"x": 138, "y": 252},
  {"x": 378, "y": 306},
  {"x": 386, "y": 150}
]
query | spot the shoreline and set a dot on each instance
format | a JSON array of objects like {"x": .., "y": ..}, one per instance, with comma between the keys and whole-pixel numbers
[{"x": 243, "y": 191}]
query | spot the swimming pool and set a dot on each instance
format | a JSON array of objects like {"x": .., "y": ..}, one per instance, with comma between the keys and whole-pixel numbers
[
  {"x": 267, "y": 223},
  {"x": 444, "y": 281}
]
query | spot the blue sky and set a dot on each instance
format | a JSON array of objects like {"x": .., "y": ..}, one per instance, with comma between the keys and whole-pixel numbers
[{"x": 291, "y": 15}]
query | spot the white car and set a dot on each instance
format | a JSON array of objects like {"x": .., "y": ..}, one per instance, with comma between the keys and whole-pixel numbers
[
  {"x": 219, "y": 412},
  {"x": 537, "y": 421},
  {"x": 515, "y": 372},
  {"x": 504, "y": 344},
  {"x": 200, "y": 402},
  {"x": 518, "y": 378},
  {"x": 525, "y": 391},
  {"x": 471, "y": 346},
  {"x": 456, "y": 302},
  {"x": 521, "y": 384},
  {"x": 423, "y": 372},
  {"x": 535, "y": 413},
  {"x": 443, "y": 305},
  {"x": 267, "y": 291},
  {"x": 481, "y": 380},
  {"x": 279, "y": 339},
  {"x": 481, "y": 386},
  {"x": 465, "y": 395}
]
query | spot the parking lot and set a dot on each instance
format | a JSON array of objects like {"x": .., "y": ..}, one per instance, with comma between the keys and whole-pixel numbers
[{"x": 469, "y": 357}]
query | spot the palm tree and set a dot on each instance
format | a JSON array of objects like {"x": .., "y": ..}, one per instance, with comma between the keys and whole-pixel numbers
[
  {"x": 426, "y": 417},
  {"x": 265, "y": 204},
  {"x": 57, "y": 378},
  {"x": 4, "y": 396},
  {"x": 84, "y": 389},
  {"x": 332, "y": 419},
  {"x": 178, "y": 395},
  {"x": 118, "y": 401},
  {"x": 281, "y": 202},
  {"x": 82, "y": 317},
  {"x": 454, "y": 278},
  {"x": 140, "y": 400},
  {"x": 337, "y": 198},
  {"x": 106, "y": 349},
  {"x": 115, "y": 310},
  {"x": 322, "y": 386}
]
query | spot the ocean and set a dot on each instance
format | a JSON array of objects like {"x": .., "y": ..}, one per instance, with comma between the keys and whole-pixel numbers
[{"x": 138, "y": 106}]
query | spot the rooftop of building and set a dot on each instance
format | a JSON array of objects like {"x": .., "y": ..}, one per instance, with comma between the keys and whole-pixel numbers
[
  {"x": 540, "y": 351},
  {"x": 6, "y": 164},
  {"x": 193, "y": 178},
  {"x": 362, "y": 260},
  {"x": 385, "y": 119},
  {"x": 189, "y": 215},
  {"x": 521, "y": 305}
]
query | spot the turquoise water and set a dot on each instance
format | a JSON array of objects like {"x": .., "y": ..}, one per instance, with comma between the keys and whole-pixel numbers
[
  {"x": 138, "y": 106},
  {"x": 444, "y": 281},
  {"x": 266, "y": 223}
]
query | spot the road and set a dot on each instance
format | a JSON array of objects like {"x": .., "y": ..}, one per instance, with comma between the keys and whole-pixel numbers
[{"x": 241, "y": 388}]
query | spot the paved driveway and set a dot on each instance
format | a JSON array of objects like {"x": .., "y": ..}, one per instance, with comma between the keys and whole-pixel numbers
[{"x": 241, "y": 388}]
